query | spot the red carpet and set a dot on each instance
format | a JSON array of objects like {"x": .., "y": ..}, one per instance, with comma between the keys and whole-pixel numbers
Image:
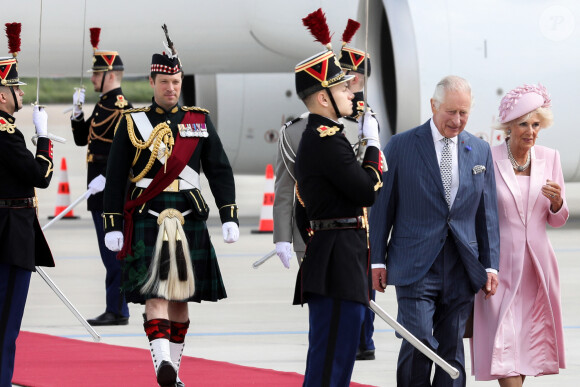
[{"x": 43, "y": 361}]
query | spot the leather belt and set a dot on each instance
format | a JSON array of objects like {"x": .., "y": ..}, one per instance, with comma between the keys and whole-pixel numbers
[
  {"x": 175, "y": 186},
  {"x": 338, "y": 223},
  {"x": 18, "y": 203},
  {"x": 93, "y": 158}
]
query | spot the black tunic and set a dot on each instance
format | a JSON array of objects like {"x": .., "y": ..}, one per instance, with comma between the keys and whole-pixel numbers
[
  {"x": 97, "y": 132},
  {"x": 332, "y": 184},
  {"x": 209, "y": 155},
  {"x": 22, "y": 242}
]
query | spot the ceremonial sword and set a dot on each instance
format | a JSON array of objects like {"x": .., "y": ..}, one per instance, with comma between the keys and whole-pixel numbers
[
  {"x": 68, "y": 304},
  {"x": 452, "y": 371},
  {"x": 51, "y": 136},
  {"x": 51, "y": 283},
  {"x": 260, "y": 261},
  {"x": 81, "y": 87}
]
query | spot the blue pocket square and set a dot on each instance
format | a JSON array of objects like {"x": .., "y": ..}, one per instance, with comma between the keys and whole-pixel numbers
[{"x": 478, "y": 169}]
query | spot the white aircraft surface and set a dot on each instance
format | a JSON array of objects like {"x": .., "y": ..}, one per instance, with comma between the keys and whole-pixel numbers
[{"x": 239, "y": 57}]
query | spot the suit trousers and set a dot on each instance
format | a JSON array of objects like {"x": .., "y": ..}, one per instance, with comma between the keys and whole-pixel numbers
[
  {"x": 333, "y": 339},
  {"x": 114, "y": 297},
  {"x": 14, "y": 283},
  {"x": 435, "y": 310}
]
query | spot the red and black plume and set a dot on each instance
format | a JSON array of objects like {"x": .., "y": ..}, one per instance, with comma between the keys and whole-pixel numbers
[
  {"x": 95, "y": 35},
  {"x": 13, "y": 34},
  {"x": 351, "y": 28},
  {"x": 316, "y": 23}
]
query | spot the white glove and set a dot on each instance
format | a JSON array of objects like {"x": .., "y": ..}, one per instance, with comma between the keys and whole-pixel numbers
[
  {"x": 231, "y": 232},
  {"x": 370, "y": 130},
  {"x": 284, "y": 251},
  {"x": 78, "y": 101},
  {"x": 40, "y": 120},
  {"x": 96, "y": 185},
  {"x": 114, "y": 240}
]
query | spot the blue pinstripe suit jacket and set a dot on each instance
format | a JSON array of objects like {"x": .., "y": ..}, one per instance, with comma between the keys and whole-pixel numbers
[{"x": 412, "y": 210}]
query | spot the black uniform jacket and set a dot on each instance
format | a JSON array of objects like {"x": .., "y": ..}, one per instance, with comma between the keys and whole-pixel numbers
[
  {"x": 22, "y": 242},
  {"x": 209, "y": 155},
  {"x": 97, "y": 132},
  {"x": 332, "y": 184}
]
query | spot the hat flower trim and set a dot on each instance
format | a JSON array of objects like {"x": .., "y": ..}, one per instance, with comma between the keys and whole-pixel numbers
[{"x": 511, "y": 99}]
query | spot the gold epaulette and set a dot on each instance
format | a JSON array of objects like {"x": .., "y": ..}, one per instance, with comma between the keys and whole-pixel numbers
[
  {"x": 7, "y": 127},
  {"x": 135, "y": 110},
  {"x": 194, "y": 109},
  {"x": 327, "y": 130},
  {"x": 121, "y": 101}
]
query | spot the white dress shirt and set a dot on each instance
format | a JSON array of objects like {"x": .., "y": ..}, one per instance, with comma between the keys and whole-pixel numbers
[{"x": 438, "y": 142}]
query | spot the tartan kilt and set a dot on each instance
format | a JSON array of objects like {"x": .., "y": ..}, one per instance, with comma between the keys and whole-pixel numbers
[{"x": 209, "y": 285}]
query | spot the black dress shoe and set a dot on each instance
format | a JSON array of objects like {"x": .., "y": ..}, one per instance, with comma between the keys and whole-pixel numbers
[
  {"x": 109, "y": 318},
  {"x": 166, "y": 374},
  {"x": 367, "y": 354}
]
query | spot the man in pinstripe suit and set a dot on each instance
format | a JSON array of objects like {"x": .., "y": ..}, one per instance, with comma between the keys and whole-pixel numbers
[{"x": 438, "y": 203}]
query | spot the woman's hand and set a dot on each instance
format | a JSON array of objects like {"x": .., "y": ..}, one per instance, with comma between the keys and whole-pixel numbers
[{"x": 553, "y": 192}]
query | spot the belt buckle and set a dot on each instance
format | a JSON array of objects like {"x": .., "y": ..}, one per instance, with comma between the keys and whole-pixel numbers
[
  {"x": 89, "y": 157},
  {"x": 173, "y": 187}
]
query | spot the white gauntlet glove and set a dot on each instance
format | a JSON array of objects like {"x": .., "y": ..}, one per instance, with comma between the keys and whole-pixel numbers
[
  {"x": 78, "y": 102},
  {"x": 114, "y": 240},
  {"x": 40, "y": 120},
  {"x": 370, "y": 129},
  {"x": 284, "y": 251},
  {"x": 231, "y": 232},
  {"x": 96, "y": 185}
]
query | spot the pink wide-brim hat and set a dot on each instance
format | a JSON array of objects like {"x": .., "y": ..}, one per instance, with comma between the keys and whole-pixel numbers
[{"x": 523, "y": 100}]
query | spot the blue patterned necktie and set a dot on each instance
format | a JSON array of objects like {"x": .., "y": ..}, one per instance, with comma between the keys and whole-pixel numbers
[{"x": 445, "y": 167}]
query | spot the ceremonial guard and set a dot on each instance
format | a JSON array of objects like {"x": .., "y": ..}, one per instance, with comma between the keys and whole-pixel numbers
[
  {"x": 332, "y": 187},
  {"x": 168, "y": 258},
  {"x": 97, "y": 133},
  {"x": 22, "y": 243},
  {"x": 356, "y": 62},
  {"x": 286, "y": 233}
]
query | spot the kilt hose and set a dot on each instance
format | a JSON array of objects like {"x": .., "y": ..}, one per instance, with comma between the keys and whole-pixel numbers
[{"x": 208, "y": 280}]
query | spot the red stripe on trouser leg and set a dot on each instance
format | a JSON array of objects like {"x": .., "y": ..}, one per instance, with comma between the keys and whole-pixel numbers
[
  {"x": 178, "y": 331},
  {"x": 157, "y": 329}
]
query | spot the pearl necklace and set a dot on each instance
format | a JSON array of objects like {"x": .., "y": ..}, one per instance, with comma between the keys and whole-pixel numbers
[{"x": 515, "y": 165}]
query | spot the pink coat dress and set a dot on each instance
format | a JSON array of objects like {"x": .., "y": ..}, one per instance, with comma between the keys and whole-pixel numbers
[{"x": 518, "y": 331}]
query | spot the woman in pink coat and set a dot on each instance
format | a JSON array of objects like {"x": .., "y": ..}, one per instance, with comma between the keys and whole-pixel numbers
[{"x": 518, "y": 332}]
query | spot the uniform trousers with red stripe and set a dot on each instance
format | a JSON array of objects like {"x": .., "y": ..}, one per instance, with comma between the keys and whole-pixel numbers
[
  {"x": 333, "y": 339},
  {"x": 14, "y": 284}
]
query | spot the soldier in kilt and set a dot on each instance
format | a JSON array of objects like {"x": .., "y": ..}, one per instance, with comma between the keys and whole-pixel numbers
[{"x": 158, "y": 224}]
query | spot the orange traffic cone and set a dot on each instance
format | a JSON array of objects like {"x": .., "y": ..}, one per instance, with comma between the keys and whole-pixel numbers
[
  {"x": 267, "y": 214},
  {"x": 63, "y": 193}
]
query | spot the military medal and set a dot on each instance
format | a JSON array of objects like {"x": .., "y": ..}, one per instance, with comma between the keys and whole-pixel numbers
[{"x": 192, "y": 130}]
